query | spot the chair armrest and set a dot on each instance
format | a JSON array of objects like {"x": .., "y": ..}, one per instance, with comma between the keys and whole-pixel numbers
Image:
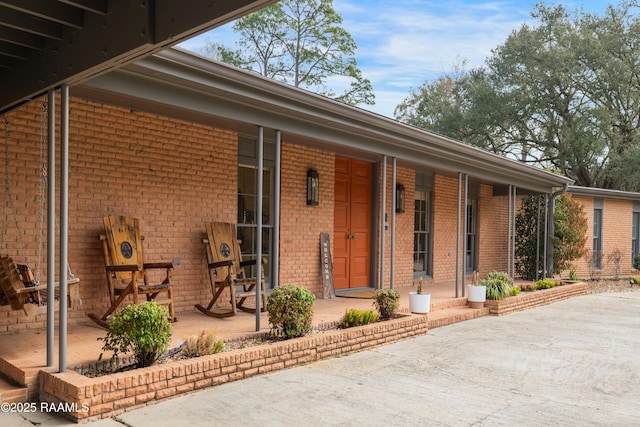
[
  {"x": 221, "y": 263},
  {"x": 151, "y": 265},
  {"x": 132, "y": 267}
]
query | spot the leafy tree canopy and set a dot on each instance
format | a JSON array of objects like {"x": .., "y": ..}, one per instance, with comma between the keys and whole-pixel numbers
[
  {"x": 302, "y": 43},
  {"x": 563, "y": 94}
]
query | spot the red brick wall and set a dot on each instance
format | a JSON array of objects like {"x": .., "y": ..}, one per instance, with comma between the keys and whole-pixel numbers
[
  {"x": 403, "y": 262},
  {"x": 175, "y": 176},
  {"x": 492, "y": 229},
  {"x": 171, "y": 174},
  {"x": 445, "y": 217},
  {"x": 493, "y": 220},
  {"x": 616, "y": 239},
  {"x": 114, "y": 394},
  {"x": 301, "y": 225}
]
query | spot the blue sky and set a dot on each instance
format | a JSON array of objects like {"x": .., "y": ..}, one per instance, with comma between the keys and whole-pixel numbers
[{"x": 403, "y": 43}]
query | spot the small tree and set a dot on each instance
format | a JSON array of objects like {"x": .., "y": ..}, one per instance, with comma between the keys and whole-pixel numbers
[
  {"x": 143, "y": 329},
  {"x": 570, "y": 228},
  {"x": 570, "y": 234}
]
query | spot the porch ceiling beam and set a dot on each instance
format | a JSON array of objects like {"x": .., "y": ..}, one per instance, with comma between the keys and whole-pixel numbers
[
  {"x": 48, "y": 10},
  {"x": 20, "y": 38},
  {"x": 129, "y": 30},
  {"x": 93, "y": 6}
]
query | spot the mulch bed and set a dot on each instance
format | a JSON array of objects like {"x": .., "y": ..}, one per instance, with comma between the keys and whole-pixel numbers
[{"x": 611, "y": 285}]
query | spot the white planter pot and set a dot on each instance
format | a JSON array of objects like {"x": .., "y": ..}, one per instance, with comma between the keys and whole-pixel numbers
[
  {"x": 419, "y": 303},
  {"x": 477, "y": 295}
]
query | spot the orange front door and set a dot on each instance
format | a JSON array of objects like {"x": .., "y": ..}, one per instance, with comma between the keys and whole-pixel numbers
[{"x": 352, "y": 224}]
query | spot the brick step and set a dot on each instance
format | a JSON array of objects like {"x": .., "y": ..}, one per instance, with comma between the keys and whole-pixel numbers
[
  {"x": 11, "y": 392},
  {"x": 27, "y": 377},
  {"x": 448, "y": 303}
]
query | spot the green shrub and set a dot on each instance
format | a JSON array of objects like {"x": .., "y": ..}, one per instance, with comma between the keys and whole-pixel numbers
[
  {"x": 355, "y": 317},
  {"x": 498, "y": 285},
  {"x": 573, "y": 275},
  {"x": 143, "y": 329},
  {"x": 545, "y": 284},
  {"x": 202, "y": 345},
  {"x": 386, "y": 302},
  {"x": 635, "y": 281},
  {"x": 515, "y": 290},
  {"x": 291, "y": 311}
]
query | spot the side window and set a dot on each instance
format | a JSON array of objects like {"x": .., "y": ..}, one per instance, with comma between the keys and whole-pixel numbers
[
  {"x": 597, "y": 234},
  {"x": 635, "y": 231},
  {"x": 248, "y": 196},
  {"x": 422, "y": 256}
]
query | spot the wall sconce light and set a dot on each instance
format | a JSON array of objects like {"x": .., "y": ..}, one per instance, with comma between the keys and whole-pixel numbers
[
  {"x": 313, "y": 187},
  {"x": 399, "y": 198}
]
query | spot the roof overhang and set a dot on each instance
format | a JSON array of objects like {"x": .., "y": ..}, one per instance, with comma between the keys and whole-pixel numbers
[
  {"x": 184, "y": 85},
  {"x": 602, "y": 193},
  {"x": 44, "y": 44}
]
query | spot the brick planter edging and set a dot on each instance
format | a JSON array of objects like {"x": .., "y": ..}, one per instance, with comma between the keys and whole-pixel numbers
[
  {"x": 86, "y": 399},
  {"x": 527, "y": 300}
]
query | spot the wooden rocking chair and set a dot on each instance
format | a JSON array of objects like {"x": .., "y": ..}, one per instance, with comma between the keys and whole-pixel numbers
[
  {"x": 125, "y": 268},
  {"x": 226, "y": 271}
]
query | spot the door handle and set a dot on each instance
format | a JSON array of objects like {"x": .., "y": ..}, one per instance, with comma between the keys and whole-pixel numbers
[{"x": 351, "y": 236}]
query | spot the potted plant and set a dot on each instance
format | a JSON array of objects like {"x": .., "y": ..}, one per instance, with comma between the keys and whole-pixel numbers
[
  {"x": 477, "y": 293},
  {"x": 419, "y": 302}
]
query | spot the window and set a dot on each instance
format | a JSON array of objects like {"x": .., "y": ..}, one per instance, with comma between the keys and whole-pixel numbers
[
  {"x": 422, "y": 227},
  {"x": 247, "y": 201},
  {"x": 635, "y": 231},
  {"x": 596, "y": 261},
  {"x": 471, "y": 257}
]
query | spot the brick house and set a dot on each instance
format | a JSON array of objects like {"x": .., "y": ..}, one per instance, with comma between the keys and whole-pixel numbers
[
  {"x": 613, "y": 232},
  {"x": 174, "y": 139}
]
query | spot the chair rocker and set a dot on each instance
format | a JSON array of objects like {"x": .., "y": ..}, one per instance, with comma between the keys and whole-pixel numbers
[
  {"x": 127, "y": 273},
  {"x": 227, "y": 271}
]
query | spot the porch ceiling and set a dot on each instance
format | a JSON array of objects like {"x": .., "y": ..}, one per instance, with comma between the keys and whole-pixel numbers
[
  {"x": 44, "y": 44},
  {"x": 183, "y": 85}
]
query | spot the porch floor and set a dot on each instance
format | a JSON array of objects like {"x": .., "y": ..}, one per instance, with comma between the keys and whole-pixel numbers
[{"x": 23, "y": 354}]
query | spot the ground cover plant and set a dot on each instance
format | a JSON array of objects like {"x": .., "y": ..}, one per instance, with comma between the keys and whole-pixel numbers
[
  {"x": 202, "y": 345},
  {"x": 498, "y": 285},
  {"x": 355, "y": 317}
]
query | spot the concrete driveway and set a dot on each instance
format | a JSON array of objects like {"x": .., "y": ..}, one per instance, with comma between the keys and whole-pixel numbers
[{"x": 575, "y": 362}]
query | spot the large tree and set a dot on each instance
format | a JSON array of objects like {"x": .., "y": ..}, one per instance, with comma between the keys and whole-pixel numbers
[
  {"x": 563, "y": 94},
  {"x": 302, "y": 43}
]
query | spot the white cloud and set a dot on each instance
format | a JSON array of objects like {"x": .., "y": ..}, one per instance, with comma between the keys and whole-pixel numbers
[{"x": 402, "y": 44}]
